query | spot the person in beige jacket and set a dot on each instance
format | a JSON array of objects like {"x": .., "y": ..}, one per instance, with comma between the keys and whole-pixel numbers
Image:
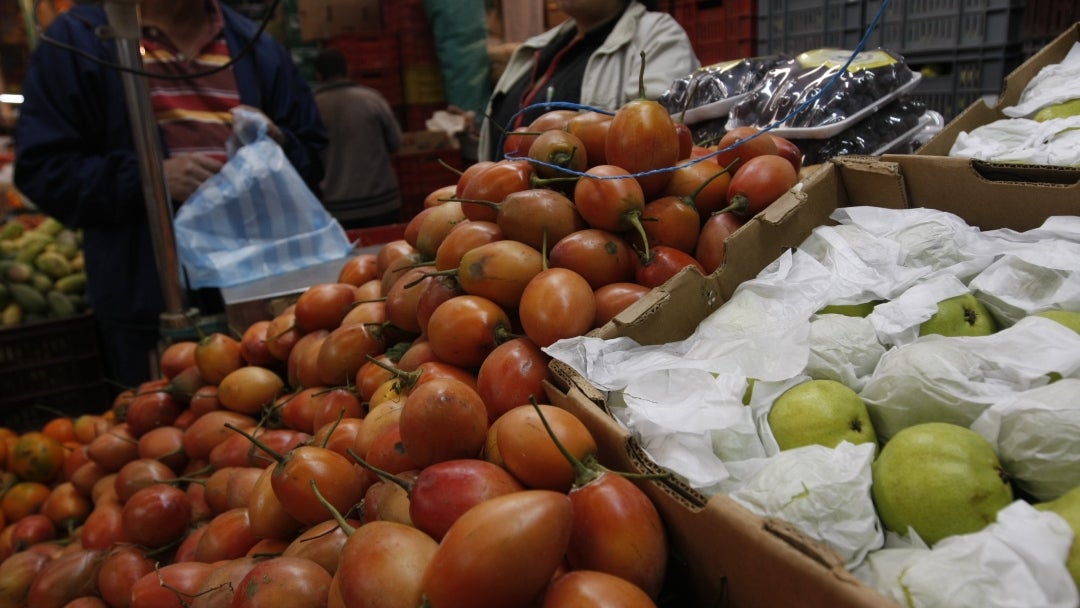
[{"x": 592, "y": 58}]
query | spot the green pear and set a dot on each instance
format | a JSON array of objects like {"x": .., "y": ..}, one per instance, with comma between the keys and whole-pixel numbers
[
  {"x": 861, "y": 309},
  {"x": 962, "y": 315},
  {"x": 940, "y": 479},
  {"x": 823, "y": 412},
  {"x": 1068, "y": 507},
  {"x": 1068, "y": 318}
]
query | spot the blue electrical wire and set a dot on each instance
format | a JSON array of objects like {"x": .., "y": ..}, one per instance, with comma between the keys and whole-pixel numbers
[{"x": 775, "y": 124}]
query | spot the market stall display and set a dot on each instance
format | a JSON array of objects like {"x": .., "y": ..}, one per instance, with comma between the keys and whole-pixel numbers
[{"x": 441, "y": 390}]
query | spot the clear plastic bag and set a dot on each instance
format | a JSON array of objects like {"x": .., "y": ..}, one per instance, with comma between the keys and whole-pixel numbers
[
  {"x": 871, "y": 80},
  {"x": 254, "y": 219}
]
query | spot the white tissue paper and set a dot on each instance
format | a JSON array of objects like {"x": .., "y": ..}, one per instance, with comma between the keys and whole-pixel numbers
[
  {"x": 1053, "y": 84},
  {"x": 954, "y": 379},
  {"x": 843, "y": 348},
  {"x": 1022, "y": 140},
  {"x": 1031, "y": 278},
  {"x": 1016, "y": 562},
  {"x": 824, "y": 492},
  {"x": 1034, "y": 435}
]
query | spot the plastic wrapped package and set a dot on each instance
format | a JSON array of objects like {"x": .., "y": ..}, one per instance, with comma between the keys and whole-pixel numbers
[
  {"x": 872, "y": 80},
  {"x": 703, "y": 98},
  {"x": 886, "y": 130}
]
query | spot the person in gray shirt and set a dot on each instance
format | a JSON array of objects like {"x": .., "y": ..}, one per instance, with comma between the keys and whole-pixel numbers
[{"x": 360, "y": 188}]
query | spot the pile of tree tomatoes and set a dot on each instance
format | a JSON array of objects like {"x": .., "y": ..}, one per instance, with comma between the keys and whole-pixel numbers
[{"x": 385, "y": 440}]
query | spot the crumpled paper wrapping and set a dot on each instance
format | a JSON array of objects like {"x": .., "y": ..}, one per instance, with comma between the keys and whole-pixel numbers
[
  {"x": 798, "y": 485},
  {"x": 1021, "y": 139},
  {"x": 1017, "y": 562},
  {"x": 699, "y": 406},
  {"x": 1034, "y": 435},
  {"x": 1053, "y": 84},
  {"x": 955, "y": 379}
]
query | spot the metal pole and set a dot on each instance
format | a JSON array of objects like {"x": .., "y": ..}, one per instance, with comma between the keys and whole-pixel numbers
[{"x": 123, "y": 19}]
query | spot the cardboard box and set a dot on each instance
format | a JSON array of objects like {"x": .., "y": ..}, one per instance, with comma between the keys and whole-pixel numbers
[
  {"x": 734, "y": 557},
  {"x": 322, "y": 19},
  {"x": 983, "y": 112}
]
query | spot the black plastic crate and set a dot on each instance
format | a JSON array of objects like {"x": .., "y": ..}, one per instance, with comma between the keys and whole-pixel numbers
[
  {"x": 794, "y": 26},
  {"x": 952, "y": 81},
  {"x": 50, "y": 368},
  {"x": 910, "y": 26}
]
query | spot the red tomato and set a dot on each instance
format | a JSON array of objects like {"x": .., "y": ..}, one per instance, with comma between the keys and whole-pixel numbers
[
  {"x": 513, "y": 372},
  {"x": 759, "y": 182},
  {"x": 643, "y": 138},
  {"x": 382, "y": 564},
  {"x": 156, "y": 515},
  {"x": 443, "y": 491},
  {"x": 302, "y": 581},
  {"x": 171, "y": 586},
  {"x": 464, "y": 329},
  {"x": 500, "y": 553},
  {"x": 600, "y": 256},
  {"x": 613, "y": 298},
  {"x": 443, "y": 419},
  {"x": 557, "y": 303},
  {"x": 663, "y": 263},
  {"x": 539, "y": 217},
  {"x": 592, "y": 588},
  {"x": 527, "y": 451},
  {"x": 216, "y": 355},
  {"x": 711, "y": 247}
]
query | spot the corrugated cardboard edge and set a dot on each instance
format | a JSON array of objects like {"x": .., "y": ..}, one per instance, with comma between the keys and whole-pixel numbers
[
  {"x": 762, "y": 562},
  {"x": 981, "y": 113}
]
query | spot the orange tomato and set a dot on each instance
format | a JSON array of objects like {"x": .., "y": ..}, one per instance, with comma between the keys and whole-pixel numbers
[
  {"x": 22, "y": 499},
  {"x": 36, "y": 456}
]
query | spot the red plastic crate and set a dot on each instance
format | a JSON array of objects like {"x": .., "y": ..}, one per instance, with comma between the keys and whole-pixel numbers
[
  {"x": 376, "y": 235},
  {"x": 422, "y": 173},
  {"x": 418, "y": 48},
  {"x": 365, "y": 53},
  {"x": 405, "y": 16},
  {"x": 725, "y": 32},
  {"x": 387, "y": 81}
]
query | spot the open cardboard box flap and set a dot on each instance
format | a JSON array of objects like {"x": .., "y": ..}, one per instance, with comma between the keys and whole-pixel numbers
[
  {"x": 735, "y": 557},
  {"x": 981, "y": 112}
]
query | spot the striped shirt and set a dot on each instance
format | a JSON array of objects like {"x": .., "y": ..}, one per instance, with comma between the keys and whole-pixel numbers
[{"x": 192, "y": 113}]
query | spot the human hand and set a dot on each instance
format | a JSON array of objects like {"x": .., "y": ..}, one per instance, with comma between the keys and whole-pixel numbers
[
  {"x": 184, "y": 173},
  {"x": 271, "y": 129}
]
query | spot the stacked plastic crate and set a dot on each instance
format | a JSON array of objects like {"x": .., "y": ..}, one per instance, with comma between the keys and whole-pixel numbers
[
  {"x": 720, "y": 30},
  {"x": 423, "y": 89},
  {"x": 962, "y": 48}
]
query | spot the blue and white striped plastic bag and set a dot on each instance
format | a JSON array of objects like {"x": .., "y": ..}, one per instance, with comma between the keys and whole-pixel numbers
[{"x": 256, "y": 218}]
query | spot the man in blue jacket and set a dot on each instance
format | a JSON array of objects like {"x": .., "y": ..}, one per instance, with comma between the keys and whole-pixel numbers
[{"x": 76, "y": 158}]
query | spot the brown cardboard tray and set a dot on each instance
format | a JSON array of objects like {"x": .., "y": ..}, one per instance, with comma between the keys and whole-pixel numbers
[
  {"x": 734, "y": 557},
  {"x": 983, "y": 112}
]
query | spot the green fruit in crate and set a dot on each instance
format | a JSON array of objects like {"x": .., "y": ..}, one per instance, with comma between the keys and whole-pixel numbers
[
  {"x": 41, "y": 281},
  {"x": 60, "y": 305},
  {"x": 28, "y": 298},
  {"x": 1064, "y": 109},
  {"x": 940, "y": 479},
  {"x": 12, "y": 314},
  {"x": 71, "y": 284},
  {"x": 861, "y": 309},
  {"x": 67, "y": 243},
  {"x": 961, "y": 315},
  {"x": 1068, "y": 318},
  {"x": 32, "y": 246},
  {"x": 53, "y": 263},
  {"x": 821, "y": 412},
  {"x": 1068, "y": 507},
  {"x": 49, "y": 226},
  {"x": 12, "y": 230},
  {"x": 16, "y": 271}
]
